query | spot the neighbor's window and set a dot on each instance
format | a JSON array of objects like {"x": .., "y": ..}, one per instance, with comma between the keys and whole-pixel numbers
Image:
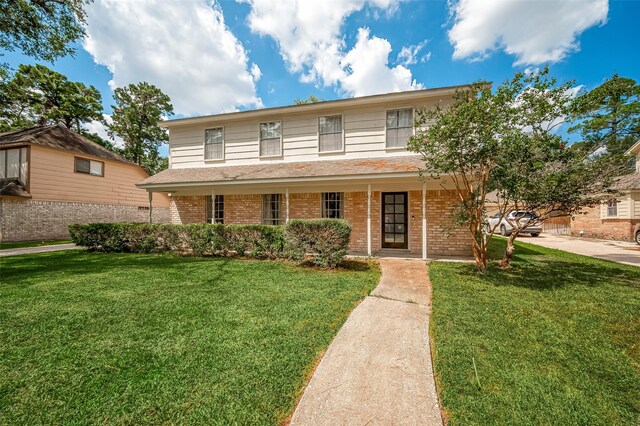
[
  {"x": 271, "y": 209},
  {"x": 330, "y": 133},
  {"x": 13, "y": 164},
  {"x": 612, "y": 208},
  {"x": 332, "y": 205},
  {"x": 399, "y": 127},
  {"x": 270, "y": 139},
  {"x": 214, "y": 144},
  {"x": 215, "y": 209},
  {"x": 91, "y": 167}
]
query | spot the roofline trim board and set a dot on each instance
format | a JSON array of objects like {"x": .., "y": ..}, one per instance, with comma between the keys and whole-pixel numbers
[{"x": 363, "y": 100}]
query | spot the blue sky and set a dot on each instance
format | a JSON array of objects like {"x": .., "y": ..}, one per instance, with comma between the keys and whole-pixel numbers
[{"x": 213, "y": 57}]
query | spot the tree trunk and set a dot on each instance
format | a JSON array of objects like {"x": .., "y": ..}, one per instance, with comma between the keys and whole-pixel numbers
[{"x": 508, "y": 252}]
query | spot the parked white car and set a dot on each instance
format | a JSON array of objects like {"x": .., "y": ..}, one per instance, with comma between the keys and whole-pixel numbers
[{"x": 514, "y": 219}]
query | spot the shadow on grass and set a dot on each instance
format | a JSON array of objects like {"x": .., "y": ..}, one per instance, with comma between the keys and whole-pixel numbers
[
  {"x": 17, "y": 269},
  {"x": 536, "y": 269}
]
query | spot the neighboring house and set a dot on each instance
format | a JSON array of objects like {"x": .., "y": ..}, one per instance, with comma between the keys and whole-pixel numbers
[
  {"x": 617, "y": 219},
  {"x": 51, "y": 177},
  {"x": 336, "y": 159}
]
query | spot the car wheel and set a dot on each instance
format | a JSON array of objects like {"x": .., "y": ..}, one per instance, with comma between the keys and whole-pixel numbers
[
  {"x": 638, "y": 238},
  {"x": 503, "y": 230},
  {"x": 535, "y": 234}
]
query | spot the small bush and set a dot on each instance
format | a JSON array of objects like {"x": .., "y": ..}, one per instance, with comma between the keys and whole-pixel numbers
[{"x": 326, "y": 239}]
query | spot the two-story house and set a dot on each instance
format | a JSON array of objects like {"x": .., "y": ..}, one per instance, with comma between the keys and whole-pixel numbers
[
  {"x": 51, "y": 177},
  {"x": 336, "y": 159}
]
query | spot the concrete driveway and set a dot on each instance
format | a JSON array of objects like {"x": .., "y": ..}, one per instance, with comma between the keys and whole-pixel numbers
[
  {"x": 41, "y": 249},
  {"x": 617, "y": 251},
  {"x": 377, "y": 371}
]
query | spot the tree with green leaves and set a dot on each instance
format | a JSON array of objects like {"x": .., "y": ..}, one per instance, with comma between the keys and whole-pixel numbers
[
  {"x": 137, "y": 110},
  {"x": 42, "y": 29},
  {"x": 37, "y": 95},
  {"x": 609, "y": 115},
  {"x": 311, "y": 99},
  {"x": 462, "y": 142}
]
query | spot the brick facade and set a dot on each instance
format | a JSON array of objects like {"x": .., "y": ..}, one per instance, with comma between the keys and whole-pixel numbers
[
  {"x": 593, "y": 226},
  {"x": 25, "y": 220},
  {"x": 443, "y": 238}
]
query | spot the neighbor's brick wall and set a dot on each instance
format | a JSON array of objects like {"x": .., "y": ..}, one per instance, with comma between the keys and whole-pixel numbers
[
  {"x": 606, "y": 229},
  {"x": 24, "y": 220},
  {"x": 443, "y": 237}
]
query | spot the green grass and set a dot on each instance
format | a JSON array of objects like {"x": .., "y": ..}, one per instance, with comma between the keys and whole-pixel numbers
[
  {"x": 555, "y": 340},
  {"x": 92, "y": 338},
  {"x": 23, "y": 244}
]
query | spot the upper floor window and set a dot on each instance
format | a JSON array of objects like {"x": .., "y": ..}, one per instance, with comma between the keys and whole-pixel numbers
[
  {"x": 332, "y": 205},
  {"x": 13, "y": 164},
  {"x": 215, "y": 209},
  {"x": 271, "y": 208},
  {"x": 214, "y": 144},
  {"x": 270, "y": 139},
  {"x": 330, "y": 133},
  {"x": 399, "y": 127},
  {"x": 612, "y": 208},
  {"x": 91, "y": 167}
]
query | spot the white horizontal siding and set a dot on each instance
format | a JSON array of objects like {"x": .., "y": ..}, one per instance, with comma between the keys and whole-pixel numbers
[{"x": 364, "y": 137}]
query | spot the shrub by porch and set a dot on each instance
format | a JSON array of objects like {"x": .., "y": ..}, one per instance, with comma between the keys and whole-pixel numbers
[{"x": 325, "y": 239}]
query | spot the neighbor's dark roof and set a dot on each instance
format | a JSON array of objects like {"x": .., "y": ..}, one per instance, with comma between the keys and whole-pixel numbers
[
  {"x": 626, "y": 182},
  {"x": 355, "y": 167},
  {"x": 61, "y": 138},
  {"x": 13, "y": 187}
]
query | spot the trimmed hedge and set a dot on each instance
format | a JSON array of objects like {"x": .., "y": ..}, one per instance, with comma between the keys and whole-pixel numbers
[{"x": 325, "y": 239}]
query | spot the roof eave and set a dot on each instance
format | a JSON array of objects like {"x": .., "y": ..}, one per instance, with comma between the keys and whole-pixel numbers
[
  {"x": 359, "y": 101},
  {"x": 387, "y": 175},
  {"x": 635, "y": 148}
]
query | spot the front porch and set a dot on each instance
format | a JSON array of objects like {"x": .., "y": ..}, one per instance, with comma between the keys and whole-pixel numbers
[{"x": 401, "y": 217}]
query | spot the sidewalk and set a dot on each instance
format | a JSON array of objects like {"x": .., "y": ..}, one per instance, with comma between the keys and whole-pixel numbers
[
  {"x": 32, "y": 250},
  {"x": 616, "y": 251},
  {"x": 378, "y": 368}
]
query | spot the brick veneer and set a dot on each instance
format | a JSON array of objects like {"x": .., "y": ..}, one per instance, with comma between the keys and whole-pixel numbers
[
  {"x": 24, "y": 220},
  {"x": 442, "y": 237},
  {"x": 608, "y": 229}
]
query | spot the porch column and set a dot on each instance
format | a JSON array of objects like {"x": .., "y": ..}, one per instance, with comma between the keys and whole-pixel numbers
[
  {"x": 150, "y": 207},
  {"x": 424, "y": 221},
  {"x": 286, "y": 202},
  {"x": 213, "y": 206},
  {"x": 369, "y": 220}
]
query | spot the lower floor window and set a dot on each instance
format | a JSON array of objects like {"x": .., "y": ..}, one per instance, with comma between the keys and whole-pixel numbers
[
  {"x": 271, "y": 206},
  {"x": 215, "y": 209},
  {"x": 332, "y": 205},
  {"x": 612, "y": 208}
]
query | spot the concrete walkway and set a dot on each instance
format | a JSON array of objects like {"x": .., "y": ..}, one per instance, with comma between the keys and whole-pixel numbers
[
  {"x": 617, "y": 251},
  {"x": 32, "y": 250},
  {"x": 377, "y": 371}
]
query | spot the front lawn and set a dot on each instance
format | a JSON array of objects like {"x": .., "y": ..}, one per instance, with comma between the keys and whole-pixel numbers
[
  {"x": 555, "y": 340},
  {"x": 91, "y": 338},
  {"x": 23, "y": 244}
]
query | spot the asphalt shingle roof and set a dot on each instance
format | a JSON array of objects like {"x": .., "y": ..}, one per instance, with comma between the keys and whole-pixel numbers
[
  {"x": 325, "y": 168},
  {"x": 61, "y": 138}
]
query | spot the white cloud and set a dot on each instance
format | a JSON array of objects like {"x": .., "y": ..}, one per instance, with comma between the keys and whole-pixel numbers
[
  {"x": 534, "y": 32},
  {"x": 368, "y": 71},
  {"x": 183, "y": 47},
  {"x": 101, "y": 130},
  {"x": 409, "y": 55},
  {"x": 310, "y": 40}
]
